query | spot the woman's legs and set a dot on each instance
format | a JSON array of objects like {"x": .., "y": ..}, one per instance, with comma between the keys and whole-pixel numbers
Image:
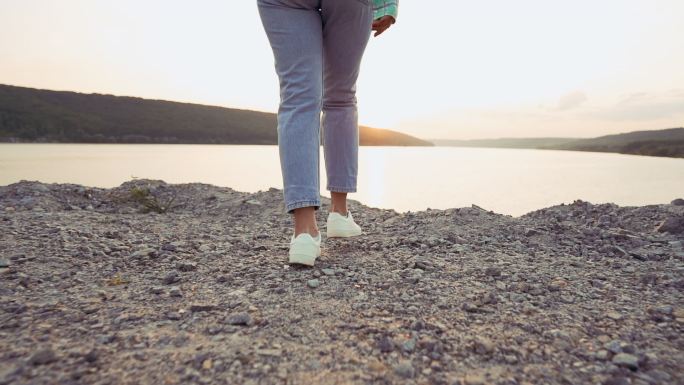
[
  {"x": 317, "y": 57},
  {"x": 346, "y": 30},
  {"x": 294, "y": 30}
]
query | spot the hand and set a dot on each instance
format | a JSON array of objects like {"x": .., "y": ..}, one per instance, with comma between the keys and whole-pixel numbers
[{"x": 381, "y": 24}]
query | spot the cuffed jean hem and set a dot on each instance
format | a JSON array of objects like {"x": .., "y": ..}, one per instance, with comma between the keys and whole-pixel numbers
[
  {"x": 341, "y": 189},
  {"x": 289, "y": 208}
]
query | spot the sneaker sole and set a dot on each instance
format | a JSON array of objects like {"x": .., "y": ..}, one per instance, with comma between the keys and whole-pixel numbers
[{"x": 342, "y": 233}]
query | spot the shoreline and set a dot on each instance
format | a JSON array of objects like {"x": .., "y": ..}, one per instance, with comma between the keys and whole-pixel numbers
[{"x": 95, "y": 290}]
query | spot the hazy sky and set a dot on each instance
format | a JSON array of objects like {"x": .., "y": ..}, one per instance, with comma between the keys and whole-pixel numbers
[{"x": 447, "y": 69}]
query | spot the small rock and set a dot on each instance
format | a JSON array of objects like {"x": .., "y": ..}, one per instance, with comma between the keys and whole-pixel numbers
[
  {"x": 385, "y": 344},
  {"x": 408, "y": 345},
  {"x": 511, "y": 359},
  {"x": 601, "y": 355},
  {"x": 243, "y": 319},
  {"x": 175, "y": 292},
  {"x": 557, "y": 284},
  {"x": 328, "y": 271},
  {"x": 144, "y": 253},
  {"x": 665, "y": 309},
  {"x": 567, "y": 299},
  {"x": 157, "y": 290},
  {"x": 614, "y": 346},
  {"x": 483, "y": 345},
  {"x": 313, "y": 283},
  {"x": 269, "y": 352},
  {"x": 614, "y": 315},
  {"x": 91, "y": 356},
  {"x": 222, "y": 279},
  {"x": 199, "y": 307},
  {"x": 617, "y": 380},
  {"x": 186, "y": 266},
  {"x": 171, "y": 277},
  {"x": 493, "y": 271},
  {"x": 517, "y": 297},
  {"x": 43, "y": 357},
  {"x": 628, "y": 360},
  {"x": 4, "y": 263},
  {"x": 422, "y": 264},
  {"x": 672, "y": 225},
  {"x": 405, "y": 369},
  {"x": 171, "y": 246},
  {"x": 532, "y": 232},
  {"x": 106, "y": 338}
]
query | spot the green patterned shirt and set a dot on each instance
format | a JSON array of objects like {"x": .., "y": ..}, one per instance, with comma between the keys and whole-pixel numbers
[{"x": 385, "y": 7}]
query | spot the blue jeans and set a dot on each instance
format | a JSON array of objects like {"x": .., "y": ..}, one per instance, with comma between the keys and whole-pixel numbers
[{"x": 317, "y": 46}]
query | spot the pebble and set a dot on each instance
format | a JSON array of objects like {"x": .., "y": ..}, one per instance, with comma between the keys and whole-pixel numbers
[
  {"x": 614, "y": 315},
  {"x": 328, "y": 271},
  {"x": 313, "y": 283},
  {"x": 171, "y": 278},
  {"x": 665, "y": 309},
  {"x": 617, "y": 380},
  {"x": 174, "y": 315},
  {"x": 4, "y": 263},
  {"x": 200, "y": 307},
  {"x": 405, "y": 369},
  {"x": 43, "y": 357},
  {"x": 175, "y": 292},
  {"x": 186, "y": 266},
  {"x": 243, "y": 319},
  {"x": 511, "y": 359},
  {"x": 567, "y": 299},
  {"x": 483, "y": 345},
  {"x": 171, "y": 246},
  {"x": 628, "y": 360},
  {"x": 602, "y": 355},
  {"x": 385, "y": 344},
  {"x": 157, "y": 290},
  {"x": 91, "y": 356},
  {"x": 614, "y": 346},
  {"x": 408, "y": 345}
]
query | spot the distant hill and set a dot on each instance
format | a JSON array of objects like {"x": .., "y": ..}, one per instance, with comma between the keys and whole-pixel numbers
[
  {"x": 503, "y": 142},
  {"x": 668, "y": 142},
  {"x": 33, "y": 115}
]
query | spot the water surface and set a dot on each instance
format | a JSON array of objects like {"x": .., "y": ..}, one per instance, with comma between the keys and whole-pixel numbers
[{"x": 508, "y": 181}]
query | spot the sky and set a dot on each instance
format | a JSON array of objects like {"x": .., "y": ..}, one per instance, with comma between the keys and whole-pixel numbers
[{"x": 446, "y": 69}]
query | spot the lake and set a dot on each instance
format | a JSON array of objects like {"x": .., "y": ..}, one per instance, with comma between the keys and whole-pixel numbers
[{"x": 508, "y": 181}]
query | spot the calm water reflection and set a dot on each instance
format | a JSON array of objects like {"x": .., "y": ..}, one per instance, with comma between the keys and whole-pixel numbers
[{"x": 509, "y": 181}]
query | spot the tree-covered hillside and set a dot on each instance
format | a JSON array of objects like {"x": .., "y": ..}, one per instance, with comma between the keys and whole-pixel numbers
[{"x": 32, "y": 115}]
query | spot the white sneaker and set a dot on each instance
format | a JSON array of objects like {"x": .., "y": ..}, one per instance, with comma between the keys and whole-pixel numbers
[
  {"x": 305, "y": 248},
  {"x": 340, "y": 226}
]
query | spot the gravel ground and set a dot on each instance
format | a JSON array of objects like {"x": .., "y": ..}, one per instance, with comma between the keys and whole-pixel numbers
[{"x": 97, "y": 287}]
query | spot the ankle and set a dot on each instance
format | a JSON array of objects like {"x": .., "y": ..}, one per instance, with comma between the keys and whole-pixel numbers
[
  {"x": 341, "y": 211},
  {"x": 312, "y": 231}
]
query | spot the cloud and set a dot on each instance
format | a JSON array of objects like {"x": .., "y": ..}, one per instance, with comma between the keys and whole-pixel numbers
[
  {"x": 644, "y": 106},
  {"x": 571, "y": 100}
]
